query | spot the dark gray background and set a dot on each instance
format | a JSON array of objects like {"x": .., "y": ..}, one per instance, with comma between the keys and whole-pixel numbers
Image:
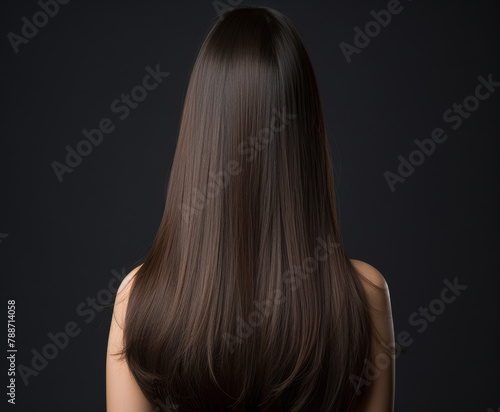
[{"x": 64, "y": 239}]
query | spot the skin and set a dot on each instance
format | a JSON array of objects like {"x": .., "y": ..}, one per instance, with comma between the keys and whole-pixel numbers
[
  {"x": 122, "y": 392},
  {"x": 124, "y": 395},
  {"x": 379, "y": 394}
]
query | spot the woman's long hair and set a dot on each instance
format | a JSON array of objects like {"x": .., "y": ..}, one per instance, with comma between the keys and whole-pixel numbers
[{"x": 247, "y": 300}]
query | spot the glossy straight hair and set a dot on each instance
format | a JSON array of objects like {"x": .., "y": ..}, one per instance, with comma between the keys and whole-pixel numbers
[{"x": 247, "y": 300}]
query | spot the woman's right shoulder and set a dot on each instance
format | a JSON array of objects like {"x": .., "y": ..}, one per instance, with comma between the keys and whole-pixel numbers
[
  {"x": 379, "y": 396},
  {"x": 369, "y": 272},
  {"x": 375, "y": 286}
]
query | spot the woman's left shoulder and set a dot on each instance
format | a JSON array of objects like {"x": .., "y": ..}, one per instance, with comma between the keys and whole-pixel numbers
[{"x": 126, "y": 283}]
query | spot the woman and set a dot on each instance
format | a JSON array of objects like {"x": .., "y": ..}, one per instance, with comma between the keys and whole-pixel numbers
[{"x": 247, "y": 300}]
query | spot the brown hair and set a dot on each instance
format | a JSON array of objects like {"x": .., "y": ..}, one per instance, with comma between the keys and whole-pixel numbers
[{"x": 247, "y": 300}]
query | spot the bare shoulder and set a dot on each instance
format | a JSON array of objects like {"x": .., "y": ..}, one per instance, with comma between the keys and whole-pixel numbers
[
  {"x": 123, "y": 394},
  {"x": 379, "y": 395},
  {"x": 122, "y": 295},
  {"x": 126, "y": 282},
  {"x": 120, "y": 311},
  {"x": 369, "y": 272},
  {"x": 375, "y": 286}
]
